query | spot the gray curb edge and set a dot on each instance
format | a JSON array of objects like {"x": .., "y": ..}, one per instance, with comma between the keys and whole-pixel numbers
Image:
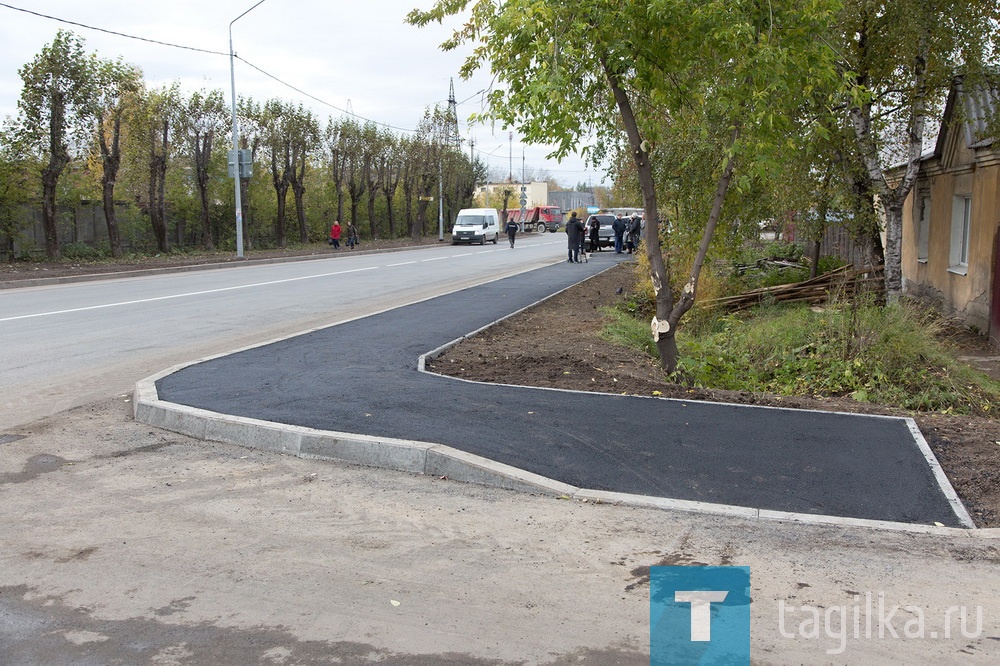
[{"x": 444, "y": 461}]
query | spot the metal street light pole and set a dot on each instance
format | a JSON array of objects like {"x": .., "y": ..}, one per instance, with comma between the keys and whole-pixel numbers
[{"x": 236, "y": 135}]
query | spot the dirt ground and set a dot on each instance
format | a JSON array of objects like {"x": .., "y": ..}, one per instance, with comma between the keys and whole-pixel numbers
[
  {"x": 226, "y": 555},
  {"x": 556, "y": 344}
]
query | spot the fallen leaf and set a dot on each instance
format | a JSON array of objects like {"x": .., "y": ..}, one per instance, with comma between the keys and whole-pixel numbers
[
  {"x": 937, "y": 524},
  {"x": 657, "y": 393},
  {"x": 393, "y": 602}
]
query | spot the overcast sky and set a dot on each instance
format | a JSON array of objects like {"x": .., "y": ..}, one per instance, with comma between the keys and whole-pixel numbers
[{"x": 348, "y": 54}]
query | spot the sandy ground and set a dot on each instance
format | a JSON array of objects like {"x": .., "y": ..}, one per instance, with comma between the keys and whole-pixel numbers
[{"x": 126, "y": 544}]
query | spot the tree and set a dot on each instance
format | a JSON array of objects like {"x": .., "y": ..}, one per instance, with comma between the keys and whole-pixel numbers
[
  {"x": 390, "y": 170},
  {"x": 57, "y": 86},
  {"x": 355, "y": 165},
  {"x": 252, "y": 134},
  {"x": 743, "y": 65},
  {"x": 152, "y": 125},
  {"x": 117, "y": 85},
  {"x": 429, "y": 139},
  {"x": 13, "y": 188},
  {"x": 304, "y": 138},
  {"x": 373, "y": 147},
  {"x": 204, "y": 118},
  {"x": 900, "y": 57},
  {"x": 335, "y": 155},
  {"x": 279, "y": 149}
]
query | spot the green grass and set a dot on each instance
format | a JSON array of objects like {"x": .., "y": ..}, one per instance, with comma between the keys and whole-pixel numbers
[{"x": 891, "y": 356}]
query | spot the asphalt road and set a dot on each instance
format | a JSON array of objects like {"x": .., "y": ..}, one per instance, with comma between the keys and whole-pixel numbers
[
  {"x": 70, "y": 344},
  {"x": 361, "y": 377}
]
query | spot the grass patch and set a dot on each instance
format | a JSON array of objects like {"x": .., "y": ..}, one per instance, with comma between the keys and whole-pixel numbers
[{"x": 891, "y": 356}]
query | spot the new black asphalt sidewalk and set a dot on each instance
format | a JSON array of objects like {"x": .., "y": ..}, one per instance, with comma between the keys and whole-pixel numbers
[{"x": 361, "y": 377}]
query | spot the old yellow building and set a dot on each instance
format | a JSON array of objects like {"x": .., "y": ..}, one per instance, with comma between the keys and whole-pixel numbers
[{"x": 952, "y": 216}]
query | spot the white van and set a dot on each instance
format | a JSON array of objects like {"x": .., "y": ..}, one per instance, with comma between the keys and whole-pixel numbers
[{"x": 476, "y": 225}]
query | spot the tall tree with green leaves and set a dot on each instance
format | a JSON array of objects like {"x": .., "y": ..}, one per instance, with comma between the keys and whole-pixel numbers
[
  {"x": 117, "y": 87},
  {"x": 563, "y": 67},
  {"x": 429, "y": 144},
  {"x": 390, "y": 170},
  {"x": 204, "y": 118},
  {"x": 252, "y": 133},
  {"x": 899, "y": 58},
  {"x": 58, "y": 85},
  {"x": 278, "y": 144},
  {"x": 355, "y": 165},
  {"x": 335, "y": 157},
  {"x": 14, "y": 190},
  {"x": 152, "y": 126},
  {"x": 305, "y": 139}
]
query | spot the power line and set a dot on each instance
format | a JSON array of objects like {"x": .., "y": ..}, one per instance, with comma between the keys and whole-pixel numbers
[
  {"x": 111, "y": 32},
  {"x": 349, "y": 112},
  {"x": 192, "y": 48}
]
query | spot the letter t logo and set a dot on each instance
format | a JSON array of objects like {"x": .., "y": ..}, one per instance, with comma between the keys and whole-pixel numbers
[{"x": 701, "y": 610}]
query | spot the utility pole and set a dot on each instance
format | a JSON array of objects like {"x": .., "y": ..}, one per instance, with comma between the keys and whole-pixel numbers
[
  {"x": 510, "y": 150},
  {"x": 235, "y": 157}
]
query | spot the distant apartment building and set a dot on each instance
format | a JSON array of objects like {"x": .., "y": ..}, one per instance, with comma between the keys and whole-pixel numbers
[{"x": 491, "y": 195}]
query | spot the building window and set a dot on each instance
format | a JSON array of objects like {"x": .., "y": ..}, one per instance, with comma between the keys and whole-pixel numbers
[
  {"x": 923, "y": 228},
  {"x": 961, "y": 217}
]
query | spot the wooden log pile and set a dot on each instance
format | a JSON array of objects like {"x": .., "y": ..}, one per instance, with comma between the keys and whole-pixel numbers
[{"x": 842, "y": 283}]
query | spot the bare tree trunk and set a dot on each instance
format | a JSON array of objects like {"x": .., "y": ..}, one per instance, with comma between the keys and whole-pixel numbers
[
  {"x": 893, "y": 198},
  {"x": 49, "y": 181},
  {"x": 666, "y": 344},
  {"x": 157, "y": 186},
  {"x": 372, "y": 221},
  {"x": 202, "y": 156},
  {"x": 111, "y": 160}
]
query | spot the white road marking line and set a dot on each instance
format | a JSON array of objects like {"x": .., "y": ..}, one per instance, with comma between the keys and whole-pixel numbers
[{"x": 184, "y": 295}]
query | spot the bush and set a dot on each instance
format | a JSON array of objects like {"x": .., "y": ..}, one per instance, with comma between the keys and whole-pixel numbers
[
  {"x": 84, "y": 252},
  {"x": 885, "y": 355},
  {"x": 891, "y": 356}
]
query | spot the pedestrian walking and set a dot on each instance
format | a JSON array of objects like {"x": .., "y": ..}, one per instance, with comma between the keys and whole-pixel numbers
[
  {"x": 574, "y": 237},
  {"x": 335, "y": 234},
  {"x": 511, "y": 230},
  {"x": 352, "y": 235}
]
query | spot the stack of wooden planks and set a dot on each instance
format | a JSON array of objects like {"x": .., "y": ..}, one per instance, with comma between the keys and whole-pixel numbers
[{"x": 841, "y": 283}]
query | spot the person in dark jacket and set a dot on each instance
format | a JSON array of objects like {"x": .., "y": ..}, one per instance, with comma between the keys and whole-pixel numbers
[
  {"x": 619, "y": 226},
  {"x": 511, "y": 230},
  {"x": 574, "y": 236},
  {"x": 595, "y": 234},
  {"x": 634, "y": 233}
]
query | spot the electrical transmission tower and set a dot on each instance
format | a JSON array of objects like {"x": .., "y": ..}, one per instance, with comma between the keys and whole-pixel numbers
[{"x": 452, "y": 136}]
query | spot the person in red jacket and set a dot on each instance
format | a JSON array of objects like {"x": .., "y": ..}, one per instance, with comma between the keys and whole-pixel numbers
[{"x": 335, "y": 235}]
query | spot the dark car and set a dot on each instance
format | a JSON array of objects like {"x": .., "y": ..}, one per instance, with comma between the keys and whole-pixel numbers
[{"x": 605, "y": 234}]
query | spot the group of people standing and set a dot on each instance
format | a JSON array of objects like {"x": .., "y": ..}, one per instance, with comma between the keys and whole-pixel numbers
[
  {"x": 336, "y": 231},
  {"x": 628, "y": 233}
]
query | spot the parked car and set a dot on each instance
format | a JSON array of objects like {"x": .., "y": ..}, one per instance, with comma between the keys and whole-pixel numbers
[
  {"x": 476, "y": 225},
  {"x": 606, "y": 235}
]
